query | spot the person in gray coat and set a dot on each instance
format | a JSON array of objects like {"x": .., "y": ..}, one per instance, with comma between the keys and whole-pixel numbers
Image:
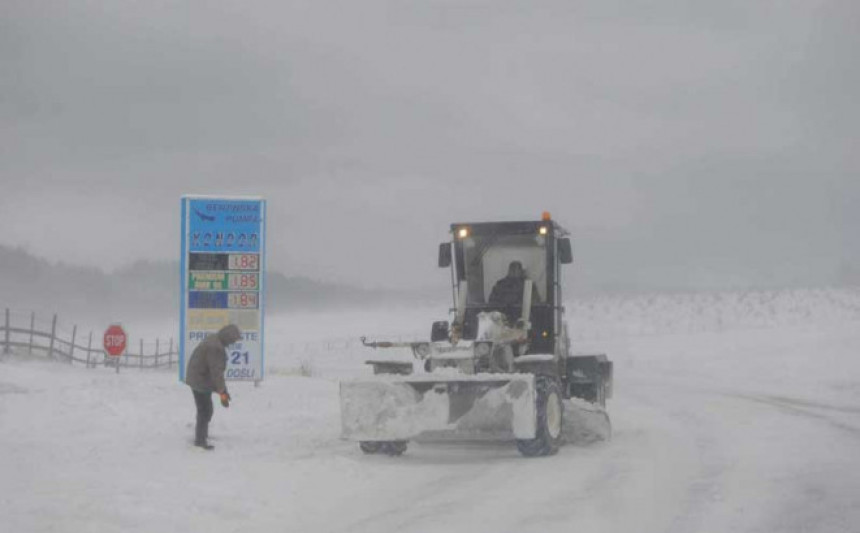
[{"x": 205, "y": 375}]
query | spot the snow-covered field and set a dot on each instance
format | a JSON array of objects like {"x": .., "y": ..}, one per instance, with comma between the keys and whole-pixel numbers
[{"x": 732, "y": 412}]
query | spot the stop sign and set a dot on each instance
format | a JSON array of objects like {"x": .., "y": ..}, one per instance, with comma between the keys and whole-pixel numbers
[{"x": 115, "y": 339}]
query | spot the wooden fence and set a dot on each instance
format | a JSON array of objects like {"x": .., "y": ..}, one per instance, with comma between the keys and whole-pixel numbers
[{"x": 73, "y": 347}]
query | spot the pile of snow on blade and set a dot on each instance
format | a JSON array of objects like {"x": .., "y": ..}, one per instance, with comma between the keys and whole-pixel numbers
[{"x": 585, "y": 423}]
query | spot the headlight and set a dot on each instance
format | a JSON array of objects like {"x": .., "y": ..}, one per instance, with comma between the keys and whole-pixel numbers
[
  {"x": 422, "y": 350},
  {"x": 482, "y": 349}
]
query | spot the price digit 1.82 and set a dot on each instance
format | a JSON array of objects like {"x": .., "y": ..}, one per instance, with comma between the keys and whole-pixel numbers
[{"x": 244, "y": 262}]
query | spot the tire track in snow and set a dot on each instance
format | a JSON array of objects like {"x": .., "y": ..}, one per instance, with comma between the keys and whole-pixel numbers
[
  {"x": 434, "y": 501},
  {"x": 609, "y": 486},
  {"x": 737, "y": 447},
  {"x": 649, "y": 478},
  {"x": 696, "y": 448},
  {"x": 815, "y": 405},
  {"x": 820, "y": 492},
  {"x": 807, "y": 409},
  {"x": 509, "y": 492}
]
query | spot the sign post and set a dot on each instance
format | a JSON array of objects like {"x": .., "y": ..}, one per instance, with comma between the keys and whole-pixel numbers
[
  {"x": 115, "y": 342},
  {"x": 222, "y": 279}
]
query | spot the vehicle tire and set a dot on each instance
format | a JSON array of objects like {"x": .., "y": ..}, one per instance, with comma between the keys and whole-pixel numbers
[
  {"x": 394, "y": 448},
  {"x": 550, "y": 411},
  {"x": 370, "y": 447}
]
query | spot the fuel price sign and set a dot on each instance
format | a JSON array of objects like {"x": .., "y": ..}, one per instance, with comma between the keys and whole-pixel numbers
[{"x": 223, "y": 258}]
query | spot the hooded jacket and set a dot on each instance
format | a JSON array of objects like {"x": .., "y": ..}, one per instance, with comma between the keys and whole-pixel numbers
[{"x": 205, "y": 372}]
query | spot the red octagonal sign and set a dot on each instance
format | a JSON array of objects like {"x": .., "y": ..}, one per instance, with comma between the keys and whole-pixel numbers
[{"x": 115, "y": 340}]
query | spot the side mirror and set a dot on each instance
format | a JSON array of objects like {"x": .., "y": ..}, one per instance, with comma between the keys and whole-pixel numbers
[
  {"x": 565, "y": 255},
  {"x": 445, "y": 255},
  {"x": 439, "y": 331}
]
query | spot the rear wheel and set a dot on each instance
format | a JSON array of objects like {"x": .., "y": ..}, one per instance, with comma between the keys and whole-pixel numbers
[
  {"x": 549, "y": 419},
  {"x": 394, "y": 448},
  {"x": 370, "y": 447}
]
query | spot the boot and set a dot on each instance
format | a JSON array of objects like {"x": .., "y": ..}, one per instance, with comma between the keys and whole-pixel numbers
[{"x": 201, "y": 436}]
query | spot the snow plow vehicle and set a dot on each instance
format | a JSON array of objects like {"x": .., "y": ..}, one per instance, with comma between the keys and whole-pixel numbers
[{"x": 500, "y": 368}]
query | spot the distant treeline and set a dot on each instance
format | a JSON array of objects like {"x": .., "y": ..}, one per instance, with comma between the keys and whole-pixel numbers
[{"x": 151, "y": 288}]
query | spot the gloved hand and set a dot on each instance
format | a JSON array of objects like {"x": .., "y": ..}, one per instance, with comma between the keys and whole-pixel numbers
[{"x": 225, "y": 399}]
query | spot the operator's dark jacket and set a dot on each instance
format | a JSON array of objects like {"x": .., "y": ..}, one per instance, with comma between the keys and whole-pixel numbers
[
  {"x": 206, "y": 367},
  {"x": 508, "y": 291}
]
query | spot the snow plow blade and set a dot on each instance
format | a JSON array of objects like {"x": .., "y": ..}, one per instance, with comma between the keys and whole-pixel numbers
[
  {"x": 428, "y": 408},
  {"x": 585, "y": 423}
]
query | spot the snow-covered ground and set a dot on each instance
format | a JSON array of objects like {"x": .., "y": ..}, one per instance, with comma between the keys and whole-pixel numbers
[{"x": 732, "y": 412}]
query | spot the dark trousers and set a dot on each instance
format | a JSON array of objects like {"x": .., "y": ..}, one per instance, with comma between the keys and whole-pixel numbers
[{"x": 203, "y": 401}]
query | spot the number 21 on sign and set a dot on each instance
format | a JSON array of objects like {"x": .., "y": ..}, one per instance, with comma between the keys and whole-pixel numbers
[{"x": 236, "y": 357}]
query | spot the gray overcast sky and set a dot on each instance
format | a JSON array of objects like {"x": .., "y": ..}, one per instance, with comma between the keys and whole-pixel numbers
[{"x": 684, "y": 143}]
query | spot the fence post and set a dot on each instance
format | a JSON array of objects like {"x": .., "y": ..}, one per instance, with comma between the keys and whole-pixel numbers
[
  {"x": 53, "y": 336},
  {"x": 170, "y": 354},
  {"x": 6, "y": 346},
  {"x": 32, "y": 329},
  {"x": 89, "y": 348},
  {"x": 72, "y": 345},
  {"x": 141, "y": 353},
  {"x": 155, "y": 365}
]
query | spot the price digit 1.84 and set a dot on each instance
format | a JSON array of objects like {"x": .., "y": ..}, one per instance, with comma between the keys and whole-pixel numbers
[{"x": 242, "y": 300}]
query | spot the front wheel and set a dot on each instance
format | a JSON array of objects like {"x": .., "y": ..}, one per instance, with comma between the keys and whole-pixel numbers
[{"x": 548, "y": 436}]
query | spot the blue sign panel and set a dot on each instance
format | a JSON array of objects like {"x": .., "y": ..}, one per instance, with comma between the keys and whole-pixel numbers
[
  {"x": 207, "y": 300},
  {"x": 223, "y": 278},
  {"x": 225, "y": 225}
]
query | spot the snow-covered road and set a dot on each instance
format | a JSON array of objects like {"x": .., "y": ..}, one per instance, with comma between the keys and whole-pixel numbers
[{"x": 734, "y": 430}]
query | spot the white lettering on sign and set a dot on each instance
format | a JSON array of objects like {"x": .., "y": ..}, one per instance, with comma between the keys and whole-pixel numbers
[
  {"x": 198, "y": 335},
  {"x": 114, "y": 340},
  {"x": 253, "y": 336}
]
